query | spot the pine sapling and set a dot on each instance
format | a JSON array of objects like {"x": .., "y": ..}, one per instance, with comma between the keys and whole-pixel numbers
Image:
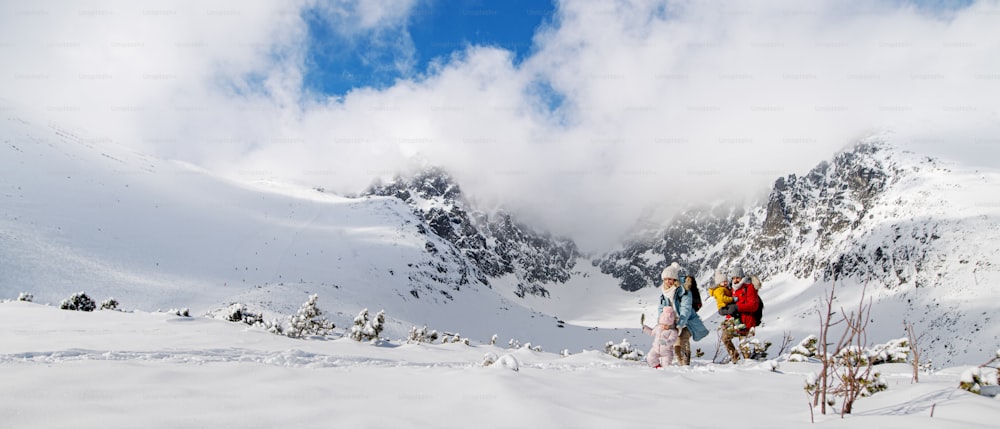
[
  {"x": 366, "y": 329},
  {"x": 309, "y": 321}
]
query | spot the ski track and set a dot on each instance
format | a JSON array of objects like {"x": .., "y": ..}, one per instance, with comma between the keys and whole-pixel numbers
[{"x": 289, "y": 359}]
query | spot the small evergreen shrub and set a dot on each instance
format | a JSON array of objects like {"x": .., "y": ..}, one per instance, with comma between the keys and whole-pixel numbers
[
  {"x": 894, "y": 351},
  {"x": 366, "y": 329},
  {"x": 78, "y": 302},
  {"x": 26, "y": 297},
  {"x": 421, "y": 335},
  {"x": 974, "y": 379},
  {"x": 309, "y": 320},
  {"x": 753, "y": 348},
  {"x": 623, "y": 350},
  {"x": 109, "y": 304},
  {"x": 454, "y": 338},
  {"x": 238, "y": 313},
  {"x": 805, "y": 350}
]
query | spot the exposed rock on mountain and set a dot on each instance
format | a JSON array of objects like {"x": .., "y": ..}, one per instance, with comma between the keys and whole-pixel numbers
[
  {"x": 920, "y": 233},
  {"x": 494, "y": 243}
]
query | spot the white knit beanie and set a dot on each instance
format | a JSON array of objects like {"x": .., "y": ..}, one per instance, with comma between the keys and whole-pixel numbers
[
  {"x": 720, "y": 278},
  {"x": 671, "y": 272}
]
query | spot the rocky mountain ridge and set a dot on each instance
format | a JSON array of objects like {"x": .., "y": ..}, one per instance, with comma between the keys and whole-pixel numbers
[
  {"x": 494, "y": 244},
  {"x": 918, "y": 232}
]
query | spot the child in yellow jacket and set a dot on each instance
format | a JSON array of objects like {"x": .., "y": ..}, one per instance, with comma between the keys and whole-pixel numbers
[{"x": 723, "y": 295}]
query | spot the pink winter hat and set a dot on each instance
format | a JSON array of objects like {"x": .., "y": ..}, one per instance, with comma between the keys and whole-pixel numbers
[{"x": 667, "y": 317}]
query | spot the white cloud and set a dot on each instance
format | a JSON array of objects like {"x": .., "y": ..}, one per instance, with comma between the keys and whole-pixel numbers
[{"x": 675, "y": 103}]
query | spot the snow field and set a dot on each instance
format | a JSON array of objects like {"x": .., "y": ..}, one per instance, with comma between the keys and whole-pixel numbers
[{"x": 112, "y": 369}]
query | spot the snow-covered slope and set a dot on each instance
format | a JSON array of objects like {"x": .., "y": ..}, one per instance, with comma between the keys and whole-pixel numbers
[
  {"x": 920, "y": 232},
  {"x": 111, "y": 369},
  {"x": 78, "y": 214}
]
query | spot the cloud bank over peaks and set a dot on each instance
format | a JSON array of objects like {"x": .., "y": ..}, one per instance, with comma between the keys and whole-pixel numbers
[{"x": 620, "y": 106}]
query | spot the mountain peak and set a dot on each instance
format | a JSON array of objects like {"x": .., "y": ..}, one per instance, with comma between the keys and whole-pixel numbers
[
  {"x": 495, "y": 242},
  {"x": 914, "y": 229},
  {"x": 427, "y": 184}
]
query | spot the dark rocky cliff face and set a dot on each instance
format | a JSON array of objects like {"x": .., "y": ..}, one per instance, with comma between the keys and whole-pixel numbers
[
  {"x": 794, "y": 230},
  {"x": 494, "y": 244}
]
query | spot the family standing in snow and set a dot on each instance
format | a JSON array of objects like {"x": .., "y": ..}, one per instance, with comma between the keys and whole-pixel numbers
[
  {"x": 678, "y": 298},
  {"x": 678, "y": 322}
]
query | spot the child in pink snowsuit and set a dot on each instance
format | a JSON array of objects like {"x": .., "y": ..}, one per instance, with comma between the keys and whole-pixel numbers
[{"x": 664, "y": 338}]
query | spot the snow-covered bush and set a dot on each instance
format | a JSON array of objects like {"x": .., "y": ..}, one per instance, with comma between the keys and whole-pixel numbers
[
  {"x": 78, "y": 302},
  {"x": 26, "y": 297},
  {"x": 493, "y": 340},
  {"x": 275, "y": 327},
  {"x": 851, "y": 356},
  {"x": 109, "y": 304},
  {"x": 181, "y": 312},
  {"x": 533, "y": 348},
  {"x": 513, "y": 344},
  {"x": 365, "y": 329},
  {"x": 894, "y": 351},
  {"x": 753, "y": 348},
  {"x": 805, "y": 350},
  {"x": 811, "y": 384},
  {"x": 873, "y": 384},
  {"x": 454, "y": 338},
  {"x": 421, "y": 335},
  {"x": 238, "y": 313},
  {"x": 772, "y": 365},
  {"x": 309, "y": 320},
  {"x": 973, "y": 379},
  {"x": 564, "y": 353},
  {"x": 623, "y": 350},
  {"x": 505, "y": 361},
  {"x": 509, "y": 362}
]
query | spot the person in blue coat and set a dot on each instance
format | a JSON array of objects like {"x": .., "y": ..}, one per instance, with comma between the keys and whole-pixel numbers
[{"x": 689, "y": 325}]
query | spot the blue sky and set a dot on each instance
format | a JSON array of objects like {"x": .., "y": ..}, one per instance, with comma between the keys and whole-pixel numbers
[{"x": 434, "y": 29}]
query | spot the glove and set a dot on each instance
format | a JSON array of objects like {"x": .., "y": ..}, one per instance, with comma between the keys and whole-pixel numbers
[{"x": 736, "y": 298}]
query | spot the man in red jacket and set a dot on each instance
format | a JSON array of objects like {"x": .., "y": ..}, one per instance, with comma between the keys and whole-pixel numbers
[{"x": 747, "y": 303}]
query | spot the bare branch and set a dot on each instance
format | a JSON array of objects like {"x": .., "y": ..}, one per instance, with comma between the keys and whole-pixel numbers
[{"x": 912, "y": 338}]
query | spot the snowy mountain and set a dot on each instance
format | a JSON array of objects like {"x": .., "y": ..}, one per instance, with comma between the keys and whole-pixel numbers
[
  {"x": 495, "y": 244},
  {"x": 86, "y": 214},
  {"x": 920, "y": 232}
]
